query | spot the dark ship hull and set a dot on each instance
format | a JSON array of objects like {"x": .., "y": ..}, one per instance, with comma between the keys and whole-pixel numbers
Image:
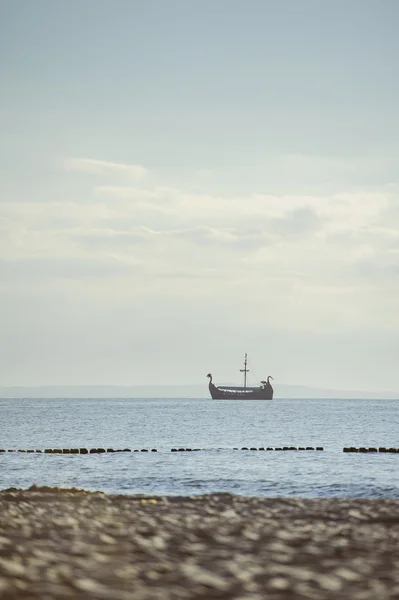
[{"x": 240, "y": 393}]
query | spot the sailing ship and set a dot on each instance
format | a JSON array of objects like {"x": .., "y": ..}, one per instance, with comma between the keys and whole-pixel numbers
[{"x": 225, "y": 392}]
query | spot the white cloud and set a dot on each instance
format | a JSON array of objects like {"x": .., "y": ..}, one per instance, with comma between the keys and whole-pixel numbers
[
  {"x": 336, "y": 228},
  {"x": 286, "y": 215},
  {"x": 99, "y": 167},
  {"x": 312, "y": 260}
]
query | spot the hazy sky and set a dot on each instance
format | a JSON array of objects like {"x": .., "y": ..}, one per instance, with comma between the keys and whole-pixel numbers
[{"x": 182, "y": 181}]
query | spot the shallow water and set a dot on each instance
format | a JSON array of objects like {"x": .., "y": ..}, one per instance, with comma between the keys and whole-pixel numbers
[{"x": 214, "y": 427}]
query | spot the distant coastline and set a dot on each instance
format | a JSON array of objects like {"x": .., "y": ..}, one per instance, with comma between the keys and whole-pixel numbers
[{"x": 178, "y": 391}]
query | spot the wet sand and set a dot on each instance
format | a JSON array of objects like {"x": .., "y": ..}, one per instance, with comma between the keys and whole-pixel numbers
[{"x": 74, "y": 544}]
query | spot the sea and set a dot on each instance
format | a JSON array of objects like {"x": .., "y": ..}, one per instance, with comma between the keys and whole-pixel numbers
[{"x": 212, "y": 434}]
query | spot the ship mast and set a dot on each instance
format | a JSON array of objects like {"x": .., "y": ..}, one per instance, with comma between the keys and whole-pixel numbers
[{"x": 245, "y": 371}]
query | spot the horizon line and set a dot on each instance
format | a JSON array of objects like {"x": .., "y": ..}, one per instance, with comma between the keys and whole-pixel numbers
[{"x": 182, "y": 385}]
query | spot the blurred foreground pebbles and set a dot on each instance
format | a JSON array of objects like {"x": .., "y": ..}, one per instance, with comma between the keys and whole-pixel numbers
[{"x": 60, "y": 544}]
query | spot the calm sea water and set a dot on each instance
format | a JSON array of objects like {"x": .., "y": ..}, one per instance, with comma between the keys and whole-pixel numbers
[{"x": 215, "y": 427}]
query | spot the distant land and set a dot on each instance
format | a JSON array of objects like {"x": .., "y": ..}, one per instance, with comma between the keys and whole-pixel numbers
[{"x": 176, "y": 391}]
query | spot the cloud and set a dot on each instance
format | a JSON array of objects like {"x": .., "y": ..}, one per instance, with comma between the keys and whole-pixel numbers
[
  {"x": 100, "y": 167},
  {"x": 202, "y": 235},
  {"x": 309, "y": 258},
  {"x": 343, "y": 227},
  {"x": 288, "y": 216}
]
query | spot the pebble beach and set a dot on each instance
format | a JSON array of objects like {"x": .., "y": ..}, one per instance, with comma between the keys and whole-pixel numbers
[{"x": 67, "y": 543}]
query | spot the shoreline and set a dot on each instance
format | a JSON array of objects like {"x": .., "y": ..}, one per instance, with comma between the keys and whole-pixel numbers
[{"x": 69, "y": 543}]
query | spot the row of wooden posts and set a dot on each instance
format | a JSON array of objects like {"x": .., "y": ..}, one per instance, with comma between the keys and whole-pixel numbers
[
  {"x": 360, "y": 449},
  {"x": 363, "y": 449},
  {"x": 104, "y": 450}
]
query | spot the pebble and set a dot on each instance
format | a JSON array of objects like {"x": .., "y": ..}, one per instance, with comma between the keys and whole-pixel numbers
[
  {"x": 347, "y": 574},
  {"x": 328, "y": 582},
  {"x": 61, "y": 544},
  {"x": 12, "y": 567},
  {"x": 107, "y": 539},
  {"x": 207, "y": 578},
  {"x": 89, "y": 585},
  {"x": 278, "y": 583}
]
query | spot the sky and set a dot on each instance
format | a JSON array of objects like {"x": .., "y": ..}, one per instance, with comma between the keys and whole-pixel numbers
[{"x": 182, "y": 182}]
